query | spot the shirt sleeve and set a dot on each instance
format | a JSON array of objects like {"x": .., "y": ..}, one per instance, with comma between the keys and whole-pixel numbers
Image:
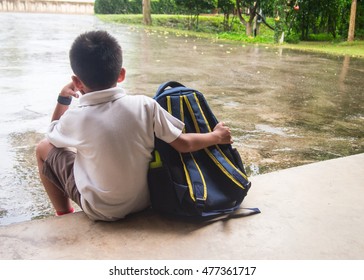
[
  {"x": 166, "y": 127},
  {"x": 61, "y": 133}
]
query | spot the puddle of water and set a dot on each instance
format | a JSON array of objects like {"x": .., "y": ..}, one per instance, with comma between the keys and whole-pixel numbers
[{"x": 285, "y": 108}]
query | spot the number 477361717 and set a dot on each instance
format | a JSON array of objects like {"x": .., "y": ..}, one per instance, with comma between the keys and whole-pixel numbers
[{"x": 223, "y": 270}]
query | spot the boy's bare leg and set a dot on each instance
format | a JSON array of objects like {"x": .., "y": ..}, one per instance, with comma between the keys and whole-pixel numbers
[{"x": 61, "y": 203}]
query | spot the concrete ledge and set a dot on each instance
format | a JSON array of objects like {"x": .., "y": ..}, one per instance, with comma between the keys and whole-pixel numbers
[{"x": 314, "y": 211}]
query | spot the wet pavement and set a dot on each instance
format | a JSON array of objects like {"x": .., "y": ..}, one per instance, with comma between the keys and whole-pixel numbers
[{"x": 286, "y": 108}]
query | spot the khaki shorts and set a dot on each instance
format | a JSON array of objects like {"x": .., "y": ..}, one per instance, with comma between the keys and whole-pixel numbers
[{"x": 58, "y": 168}]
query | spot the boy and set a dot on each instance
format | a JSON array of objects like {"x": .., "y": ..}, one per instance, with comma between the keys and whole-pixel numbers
[{"x": 113, "y": 134}]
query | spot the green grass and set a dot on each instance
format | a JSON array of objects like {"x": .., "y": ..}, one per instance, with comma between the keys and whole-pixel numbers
[
  {"x": 212, "y": 27},
  {"x": 354, "y": 49},
  {"x": 208, "y": 27}
]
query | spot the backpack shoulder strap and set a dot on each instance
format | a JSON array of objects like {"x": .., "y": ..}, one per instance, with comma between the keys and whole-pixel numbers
[{"x": 195, "y": 179}]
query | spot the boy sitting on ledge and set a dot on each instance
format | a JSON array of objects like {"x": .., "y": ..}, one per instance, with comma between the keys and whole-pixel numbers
[{"x": 113, "y": 134}]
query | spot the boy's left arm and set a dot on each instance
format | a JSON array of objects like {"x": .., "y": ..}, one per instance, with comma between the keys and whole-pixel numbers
[
  {"x": 190, "y": 142},
  {"x": 64, "y": 100}
]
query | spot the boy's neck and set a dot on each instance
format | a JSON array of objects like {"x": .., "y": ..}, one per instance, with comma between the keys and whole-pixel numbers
[{"x": 86, "y": 90}]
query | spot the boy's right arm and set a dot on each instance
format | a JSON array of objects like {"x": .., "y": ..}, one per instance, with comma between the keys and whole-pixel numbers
[
  {"x": 190, "y": 142},
  {"x": 68, "y": 91}
]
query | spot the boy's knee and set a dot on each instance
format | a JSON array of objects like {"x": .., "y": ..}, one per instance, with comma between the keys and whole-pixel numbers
[{"x": 42, "y": 149}]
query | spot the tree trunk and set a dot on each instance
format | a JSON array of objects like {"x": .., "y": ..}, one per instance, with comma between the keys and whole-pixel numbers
[
  {"x": 249, "y": 29},
  {"x": 147, "y": 17},
  {"x": 352, "y": 21}
]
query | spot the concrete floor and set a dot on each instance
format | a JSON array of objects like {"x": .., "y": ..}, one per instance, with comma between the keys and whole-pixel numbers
[{"x": 314, "y": 212}]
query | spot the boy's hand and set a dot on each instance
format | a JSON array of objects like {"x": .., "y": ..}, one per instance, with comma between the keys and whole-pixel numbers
[
  {"x": 69, "y": 90},
  {"x": 223, "y": 133},
  {"x": 190, "y": 142}
]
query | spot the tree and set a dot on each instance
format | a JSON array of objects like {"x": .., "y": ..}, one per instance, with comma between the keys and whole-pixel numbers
[
  {"x": 147, "y": 14},
  {"x": 324, "y": 17},
  {"x": 253, "y": 10},
  {"x": 111, "y": 6},
  {"x": 279, "y": 18},
  {"x": 250, "y": 8},
  {"x": 227, "y": 7},
  {"x": 351, "y": 32},
  {"x": 194, "y": 8}
]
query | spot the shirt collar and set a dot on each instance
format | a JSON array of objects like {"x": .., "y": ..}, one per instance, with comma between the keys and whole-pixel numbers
[{"x": 101, "y": 96}]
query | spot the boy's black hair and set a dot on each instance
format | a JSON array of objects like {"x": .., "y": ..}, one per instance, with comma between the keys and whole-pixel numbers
[{"x": 96, "y": 59}]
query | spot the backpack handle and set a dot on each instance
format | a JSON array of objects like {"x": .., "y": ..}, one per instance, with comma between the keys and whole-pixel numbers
[{"x": 171, "y": 84}]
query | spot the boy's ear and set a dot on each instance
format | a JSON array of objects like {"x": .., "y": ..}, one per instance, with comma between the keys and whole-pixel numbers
[
  {"x": 121, "y": 75},
  {"x": 77, "y": 82}
]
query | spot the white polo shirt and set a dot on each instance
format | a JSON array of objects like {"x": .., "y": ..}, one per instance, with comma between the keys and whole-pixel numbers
[{"x": 114, "y": 136}]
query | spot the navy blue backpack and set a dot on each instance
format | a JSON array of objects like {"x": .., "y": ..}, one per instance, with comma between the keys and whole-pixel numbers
[{"x": 205, "y": 183}]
